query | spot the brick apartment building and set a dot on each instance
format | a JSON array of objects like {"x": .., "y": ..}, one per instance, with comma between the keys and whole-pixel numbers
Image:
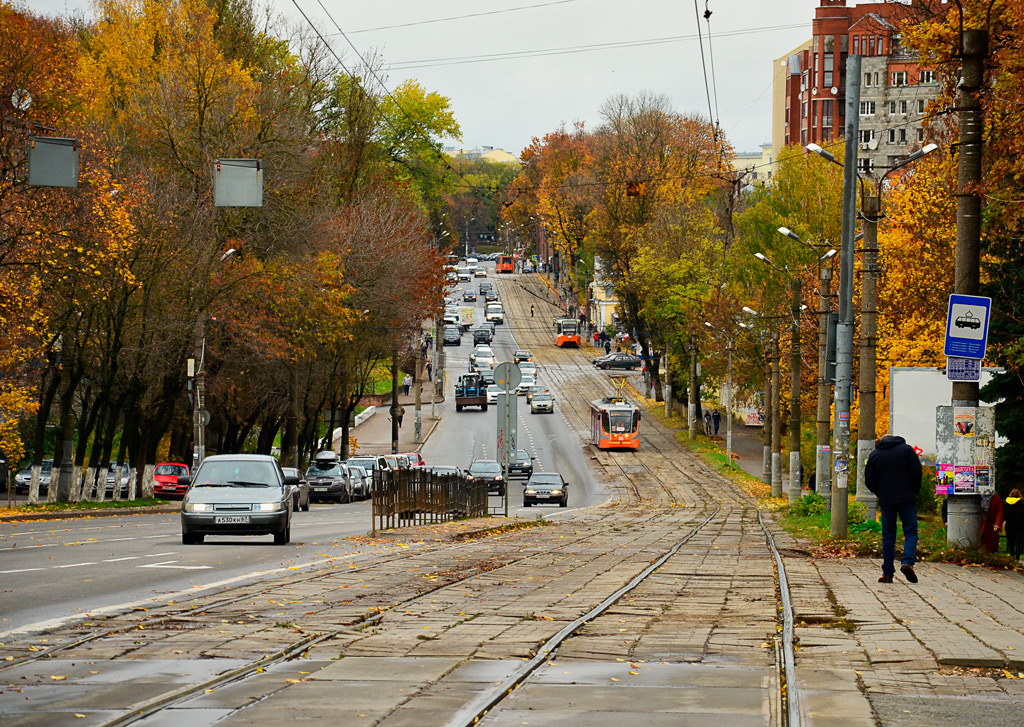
[{"x": 895, "y": 89}]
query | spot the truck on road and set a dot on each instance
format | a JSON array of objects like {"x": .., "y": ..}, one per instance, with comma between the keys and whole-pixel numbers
[
  {"x": 467, "y": 314},
  {"x": 470, "y": 390},
  {"x": 494, "y": 312}
]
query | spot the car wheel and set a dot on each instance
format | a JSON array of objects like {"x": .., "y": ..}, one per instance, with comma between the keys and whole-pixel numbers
[
  {"x": 284, "y": 535},
  {"x": 458, "y": 407},
  {"x": 526, "y": 504},
  {"x": 305, "y": 508},
  {"x": 564, "y": 502},
  {"x": 484, "y": 408},
  {"x": 191, "y": 538}
]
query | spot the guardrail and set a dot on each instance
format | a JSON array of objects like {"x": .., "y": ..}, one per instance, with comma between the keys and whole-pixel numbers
[{"x": 417, "y": 496}]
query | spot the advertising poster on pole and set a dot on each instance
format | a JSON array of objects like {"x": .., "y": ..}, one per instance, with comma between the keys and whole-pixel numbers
[
  {"x": 964, "y": 482},
  {"x": 965, "y": 421}
]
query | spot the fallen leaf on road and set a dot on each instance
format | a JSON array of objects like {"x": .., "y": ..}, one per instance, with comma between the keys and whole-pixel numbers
[{"x": 57, "y": 679}]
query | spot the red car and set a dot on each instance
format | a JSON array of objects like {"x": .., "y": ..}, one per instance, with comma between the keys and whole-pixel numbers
[
  {"x": 415, "y": 459},
  {"x": 166, "y": 479}
]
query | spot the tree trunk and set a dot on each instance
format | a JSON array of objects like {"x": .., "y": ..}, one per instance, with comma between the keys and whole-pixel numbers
[{"x": 290, "y": 443}]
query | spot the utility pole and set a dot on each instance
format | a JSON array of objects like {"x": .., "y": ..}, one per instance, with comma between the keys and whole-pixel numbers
[
  {"x": 418, "y": 384},
  {"x": 822, "y": 458},
  {"x": 396, "y": 407},
  {"x": 871, "y": 208},
  {"x": 766, "y": 421},
  {"x": 728, "y": 412},
  {"x": 794, "y": 402},
  {"x": 965, "y": 510},
  {"x": 199, "y": 385},
  {"x": 776, "y": 418},
  {"x": 691, "y": 399},
  {"x": 844, "y": 330}
]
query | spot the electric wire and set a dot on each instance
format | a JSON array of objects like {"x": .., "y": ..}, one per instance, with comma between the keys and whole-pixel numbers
[
  {"x": 459, "y": 17},
  {"x": 707, "y": 88},
  {"x": 711, "y": 56}
]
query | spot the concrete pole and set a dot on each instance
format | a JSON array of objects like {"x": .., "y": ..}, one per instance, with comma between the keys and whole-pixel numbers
[
  {"x": 199, "y": 426},
  {"x": 794, "y": 402},
  {"x": 418, "y": 387},
  {"x": 766, "y": 423},
  {"x": 776, "y": 419},
  {"x": 822, "y": 458},
  {"x": 844, "y": 330},
  {"x": 396, "y": 406},
  {"x": 870, "y": 211},
  {"x": 691, "y": 399},
  {"x": 965, "y": 510},
  {"x": 728, "y": 411}
]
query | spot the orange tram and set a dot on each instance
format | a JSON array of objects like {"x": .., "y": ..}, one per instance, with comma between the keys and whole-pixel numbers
[
  {"x": 614, "y": 423},
  {"x": 505, "y": 264},
  {"x": 567, "y": 333}
]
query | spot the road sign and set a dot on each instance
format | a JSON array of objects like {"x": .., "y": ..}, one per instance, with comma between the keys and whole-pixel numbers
[
  {"x": 507, "y": 376},
  {"x": 967, "y": 326},
  {"x": 963, "y": 369},
  {"x": 508, "y": 418}
]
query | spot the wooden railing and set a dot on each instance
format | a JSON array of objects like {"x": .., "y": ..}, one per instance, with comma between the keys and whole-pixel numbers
[{"x": 417, "y": 496}]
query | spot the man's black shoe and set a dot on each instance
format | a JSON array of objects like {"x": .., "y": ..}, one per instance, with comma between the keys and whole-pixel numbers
[
  {"x": 908, "y": 573},
  {"x": 885, "y": 579}
]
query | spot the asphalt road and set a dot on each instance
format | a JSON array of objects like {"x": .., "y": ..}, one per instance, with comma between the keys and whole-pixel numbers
[{"x": 57, "y": 570}]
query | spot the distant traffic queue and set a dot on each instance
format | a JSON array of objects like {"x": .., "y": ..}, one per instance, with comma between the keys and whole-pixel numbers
[
  {"x": 567, "y": 333},
  {"x": 614, "y": 423}
]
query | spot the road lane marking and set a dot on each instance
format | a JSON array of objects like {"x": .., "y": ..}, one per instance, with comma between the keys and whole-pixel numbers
[
  {"x": 20, "y": 570},
  {"x": 118, "y": 560},
  {"x": 176, "y": 566},
  {"x": 74, "y": 565}
]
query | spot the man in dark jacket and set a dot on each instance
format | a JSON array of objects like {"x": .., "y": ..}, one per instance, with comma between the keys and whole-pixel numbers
[{"x": 893, "y": 473}]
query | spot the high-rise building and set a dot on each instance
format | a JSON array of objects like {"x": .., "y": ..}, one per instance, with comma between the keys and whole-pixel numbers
[{"x": 895, "y": 88}]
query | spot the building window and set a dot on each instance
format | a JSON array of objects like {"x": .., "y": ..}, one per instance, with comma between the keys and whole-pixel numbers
[
  {"x": 787, "y": 115},
  {"x": 803, "y": 110},
  {"x": 903, "y": 136},
  {"x": 903, "y": 107},
  {"x": 899, "y": 78},
  {"x": 892, "y": 108},
  {"x": 867, "y": 108},
  {"x": 844, "y": 43},
  {"x": 867, "y": 80},
  {"x": 920, "y": 106},
  {"x": 826, "y": 113},
  {"x": 826, "y": 133},
  {"x": 927, "y": 76},
  {"x": 892, "y": 136},
  {"x": 871, "y": 46},
  {"x": 876, "y": 78},
  {"x": 920, "y": 134},
  {"x": 866, "y": 135},
  {"x": 880, "y": 51},
  {"x": 866, "y": 165},
  {"x": 830, "y": 44},
  {"x": 856, "y": 45}
]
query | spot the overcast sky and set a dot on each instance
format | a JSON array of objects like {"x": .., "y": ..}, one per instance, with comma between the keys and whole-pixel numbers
[{"x": 549, "y": 80}]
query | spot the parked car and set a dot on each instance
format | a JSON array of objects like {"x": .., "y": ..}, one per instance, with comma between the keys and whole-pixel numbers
[
  {"x": 546, "y": 487},
  {"x": 542, "y": 401},
  {"x": 328, "y": 478},
  {"x": 362, "y": 481},
  {"x": 372, "y": 463},
  {"x": 23, "y": 479},
  {"x": 619, "y": 360},
  {"x": 452, "y": 336},
  {"x": 237, "y": 494},
  {"x": 521, "y": 464},
  {"x": 415, "y": 459},
  {"x": 397, "y": 461},
  {"x": 521, "y": 354},
  {"x": 300, "y": 490},
  {"x": 120, "y": 473},
  {"x": 165, "y": 479},
  {"x": 489, "y": 471}
]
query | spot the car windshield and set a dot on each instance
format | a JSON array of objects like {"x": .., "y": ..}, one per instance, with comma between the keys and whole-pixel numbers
[
  {"x": 325, "y": 469},
  {"x": 368, "y": 464},
  {"x": 522, "y": 455},
  {"x": 177, "y": 470},
  {"x": 541, "y": 397},
  {"x": 545, "y": 479},
  {"x": 229, "y": 471},
  {"x": 493, "y": 389},
  {"x": 485, "y": 468}
]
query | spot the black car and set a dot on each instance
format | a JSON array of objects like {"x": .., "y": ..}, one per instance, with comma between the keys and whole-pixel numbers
[
  {"x": 489, "y": 471},
  {"x": 521, "y": 354},
  {"x": 619, "y": 361},
  {"x": 487, "y": 376},
  {"x": 300, "y": 492},
  {"x": 490, "y": 295},
  {"x": 328, "y": 478},
  {"x": 482, "y": 336},
  {"x": 452, "y": 336},
  {"x": 546, "y": 487},
  {"x": 521, "y": 464},
  {"x": 237, "y": 494}
]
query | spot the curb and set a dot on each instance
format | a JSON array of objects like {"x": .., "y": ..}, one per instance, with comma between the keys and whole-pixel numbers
[{"x": 72, "y": 514}]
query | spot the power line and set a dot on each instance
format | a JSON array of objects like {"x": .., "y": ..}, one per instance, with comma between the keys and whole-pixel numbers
[
  {"x": 567, "y": 50},
  {"x": 707, "y": 88},
  {"x": 459, "y": 17},
  {"x": 711, "y": 54}
]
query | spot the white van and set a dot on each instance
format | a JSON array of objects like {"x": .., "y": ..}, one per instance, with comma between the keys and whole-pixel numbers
[{"x": 495, "y": 312}]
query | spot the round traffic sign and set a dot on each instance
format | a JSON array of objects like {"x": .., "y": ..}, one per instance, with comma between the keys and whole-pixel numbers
[{"x": 507, "y": 375}]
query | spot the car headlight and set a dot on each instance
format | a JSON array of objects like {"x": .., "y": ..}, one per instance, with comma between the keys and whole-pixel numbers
[
  {"x": 266, "y": 506},
  {"x": 198, "y": 507},
  {"x": 556, "y": 492},
  {"x": 498, "y": 477},
  {"x": 470, "y": 477},
  {"x": 529, "y": 492}
]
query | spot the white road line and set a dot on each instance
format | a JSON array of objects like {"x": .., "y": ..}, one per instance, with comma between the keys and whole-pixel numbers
[
  {"x": 118, "y": 560},
  {"x": 174, "y": 564},
  {"x": 159, "y": 555},
  {"x": 74, "y": 565},
  {"x": 20, "y": 570}
]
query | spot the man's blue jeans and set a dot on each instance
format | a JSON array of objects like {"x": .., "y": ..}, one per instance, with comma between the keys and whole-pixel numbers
[{"x": 907, "y": 513}]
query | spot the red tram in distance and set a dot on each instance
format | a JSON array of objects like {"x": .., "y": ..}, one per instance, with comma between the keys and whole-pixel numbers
[
  {"x": 614, "y": 423},
  {"x": 505, "y": 264},
  {"x": 567, "y": 333}
]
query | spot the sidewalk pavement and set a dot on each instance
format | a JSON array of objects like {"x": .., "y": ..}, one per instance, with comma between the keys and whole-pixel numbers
[{"x": 374, "y": 435}]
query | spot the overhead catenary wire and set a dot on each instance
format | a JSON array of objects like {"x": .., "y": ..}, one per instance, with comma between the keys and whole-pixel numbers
[
  {"x": 703, "y": 62},
  {"x": 464, "y": 16}
]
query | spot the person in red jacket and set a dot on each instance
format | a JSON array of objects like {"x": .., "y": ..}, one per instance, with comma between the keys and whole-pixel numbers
[
  {"x": 992, "y": 509},
  {"x": 893, "y": 473}
]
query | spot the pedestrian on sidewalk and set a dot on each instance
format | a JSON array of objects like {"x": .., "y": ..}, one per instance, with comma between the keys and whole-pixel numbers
[
  {"x": 992, "y": 509},
  {"x": 430, "y": 371},
  {"x": 716, "y": 419},
  {"x": 401, "y": 415},
  {"x": 893, "y": 473},
  {"x": 406, "y": 384},
  {"x": 707, "y": 422},
  {"x": 1013, "y": 521},
  {"x": 531, "y": 310},
  {"x": 607, "y": 347}
]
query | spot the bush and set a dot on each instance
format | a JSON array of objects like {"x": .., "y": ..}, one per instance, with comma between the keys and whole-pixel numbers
[
  {"x": 927, "y": 501},
  {"x": 868, "y": 526},
  {"x": 856, "y": 513},
  {"x": 812, "y": 504}
]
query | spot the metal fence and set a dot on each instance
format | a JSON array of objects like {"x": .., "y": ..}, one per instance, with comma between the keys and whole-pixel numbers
[{"x": 417, "y": 496}]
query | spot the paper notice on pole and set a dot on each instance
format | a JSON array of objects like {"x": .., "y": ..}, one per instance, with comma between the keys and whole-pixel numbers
[
  {"x": 964, "y": 482},
  {"x": 943, "y": 479},
  {"x": 964, "y": 421}
]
